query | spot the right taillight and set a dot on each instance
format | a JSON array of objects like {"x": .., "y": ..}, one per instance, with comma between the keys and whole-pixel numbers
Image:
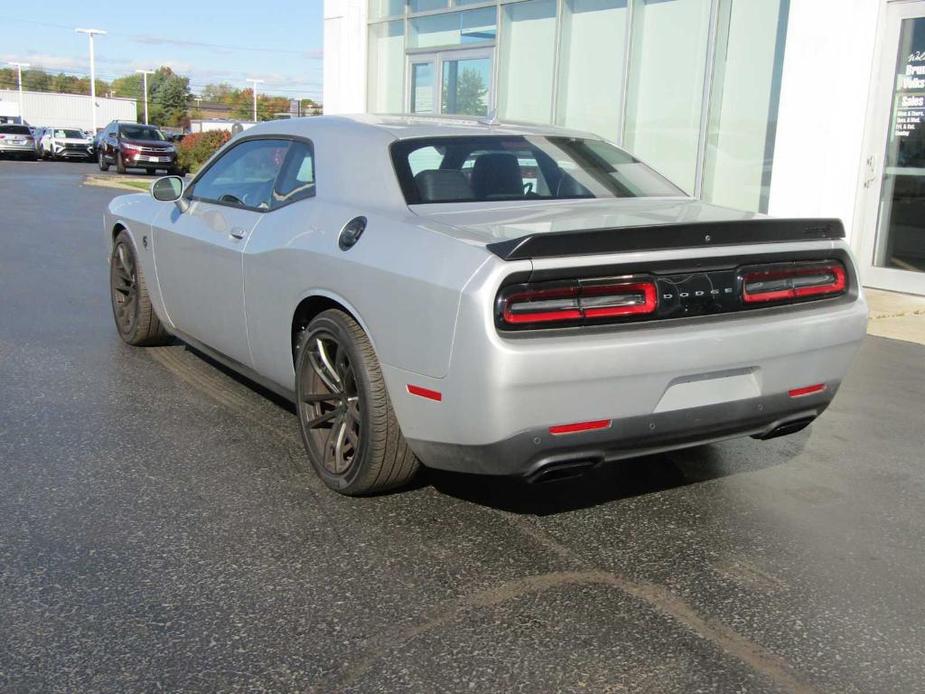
[{"x": 793, "y": 281}]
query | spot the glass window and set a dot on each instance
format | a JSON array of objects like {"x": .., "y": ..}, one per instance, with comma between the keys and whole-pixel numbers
[
  {"x": 380, "y": 9},
  {"x": 386, "y": 67},
  {"x": 593, "y": 37},
  {"x": 743, "y": 109},
  {"x": 140, "y": 132},
  {"x": 463, "y": 169},
  {"x": 528, "y": 42},
  {"x": 426, "y": 5},
  {"x": 453, "y": 28},
  {"x": 666, "y": 77},
  {"x": 422, "y": 87},
  {"x": 244, "y": 175},
  {"x": 297, "y": 179},
  {"x": 901, "y": 227},
  {"x": 69, "y": 134},
  {"x": 465, "y": 86}
]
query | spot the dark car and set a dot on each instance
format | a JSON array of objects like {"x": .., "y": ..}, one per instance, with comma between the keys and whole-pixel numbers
[
  {"x": 134, "y": 145},
  {"x": 17, "y": 141}
]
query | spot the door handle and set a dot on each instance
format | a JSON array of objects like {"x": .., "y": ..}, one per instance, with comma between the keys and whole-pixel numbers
[{"x": 238, "y": 233}]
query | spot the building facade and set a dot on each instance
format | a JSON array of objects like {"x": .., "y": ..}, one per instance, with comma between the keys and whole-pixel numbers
[
  {"x": 48, "y": 109},
  {"x": 789, "y": 107}
]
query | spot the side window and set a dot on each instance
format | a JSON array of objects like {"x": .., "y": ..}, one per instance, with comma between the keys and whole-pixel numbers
[
  {"x": 244, "y": 175},
  {"x": 297, "y": 179}
]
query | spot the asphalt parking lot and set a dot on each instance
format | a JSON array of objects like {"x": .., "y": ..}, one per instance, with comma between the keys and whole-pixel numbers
[{"x": 157, "y": 532}]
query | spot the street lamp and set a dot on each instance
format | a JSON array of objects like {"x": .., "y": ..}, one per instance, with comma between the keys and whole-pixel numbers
[
  {"x": 19, "y": 67},
  {"x": 90, "y": 34},
  {"x": 254, "y": 87},
  {"x": 145, "y": 74}
]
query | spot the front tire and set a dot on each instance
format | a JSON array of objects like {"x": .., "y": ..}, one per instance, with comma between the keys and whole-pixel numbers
[
  {"x": 135, "y": 318},
  {"x": 101, "y": 160},
  {"x": 120, "y": 163},
  {"x": 348, "y": 426}
]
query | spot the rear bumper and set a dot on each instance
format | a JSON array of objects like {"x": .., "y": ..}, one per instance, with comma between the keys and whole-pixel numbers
[
  {"x": 8, "y": 148},
  {"x": 537, "y": 454}
]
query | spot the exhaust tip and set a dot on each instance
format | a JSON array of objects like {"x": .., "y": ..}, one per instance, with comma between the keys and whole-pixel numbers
[
  {"x": 786, "y": 428},
  {"x": 560, "y": 470}
]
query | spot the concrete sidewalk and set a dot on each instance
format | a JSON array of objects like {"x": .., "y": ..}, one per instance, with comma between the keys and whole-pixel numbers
[{"x": 896, "y": 316}]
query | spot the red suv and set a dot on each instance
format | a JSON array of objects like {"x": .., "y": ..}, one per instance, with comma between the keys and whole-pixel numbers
[{"x": 133, "y": 145}]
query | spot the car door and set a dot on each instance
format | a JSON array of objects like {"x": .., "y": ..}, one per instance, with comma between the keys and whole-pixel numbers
[{"x": 199, "y": 251}]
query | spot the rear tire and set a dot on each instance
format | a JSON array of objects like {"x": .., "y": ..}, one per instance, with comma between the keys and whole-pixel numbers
[
  {"x": 101, "y": 160},
  {"x": 120, "y": 163},
  {"x": 348, "y": 425},
  {"x": 135, "y": 318}
]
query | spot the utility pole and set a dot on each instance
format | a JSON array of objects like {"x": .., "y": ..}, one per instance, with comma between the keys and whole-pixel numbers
[
  {"x": 19, "y": 67},
  {"x": 144, "y": 76},
  {"x": 90, "y": 34},
  {"x": 254, "y": 83}
]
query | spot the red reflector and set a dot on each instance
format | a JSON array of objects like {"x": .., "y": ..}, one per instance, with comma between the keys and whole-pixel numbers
[
  {"x": 806, "y": 390},
  {"x": 425, "y": 392},
  {"x": 579, "y": 426}
]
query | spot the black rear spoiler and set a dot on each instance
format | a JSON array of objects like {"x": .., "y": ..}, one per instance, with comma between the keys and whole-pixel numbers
[{"x": 660, "y": 237}]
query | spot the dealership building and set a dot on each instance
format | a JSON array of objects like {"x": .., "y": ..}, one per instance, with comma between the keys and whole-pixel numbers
[
  {"x": 789, "y": 107},
  {"x": 49, "y": 109}
]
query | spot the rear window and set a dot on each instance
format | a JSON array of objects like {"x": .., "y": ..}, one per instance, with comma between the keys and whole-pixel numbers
[
  {"x": 469, "y": 169},
  {"x": 15, "y": 130}
]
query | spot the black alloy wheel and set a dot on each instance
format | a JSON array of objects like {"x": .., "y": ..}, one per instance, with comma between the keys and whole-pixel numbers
[
  {"x": 135, "y": 318},
  {"x": 348, "y": 426},
  {"x": 330, "y": 404}
]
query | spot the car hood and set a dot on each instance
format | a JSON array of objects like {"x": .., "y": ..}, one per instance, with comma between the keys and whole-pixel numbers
[
  {"x": 154, "y": 144},
  {"x": 73, "y": 140},
  {"x": 491, "y": 222}
]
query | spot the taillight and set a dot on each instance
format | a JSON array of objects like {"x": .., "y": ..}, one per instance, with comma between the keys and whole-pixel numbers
[
  {"x": 577, "y": 301},
  {"x": 792, "y": 281}
]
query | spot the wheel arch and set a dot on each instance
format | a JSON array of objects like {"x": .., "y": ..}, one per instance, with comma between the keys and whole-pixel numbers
[{"x": 314, "y": 303}]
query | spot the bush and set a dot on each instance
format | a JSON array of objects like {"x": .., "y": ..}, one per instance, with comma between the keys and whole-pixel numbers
[{"x": 196, "y": 148}]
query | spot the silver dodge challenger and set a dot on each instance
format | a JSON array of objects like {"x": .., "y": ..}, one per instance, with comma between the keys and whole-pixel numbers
[{"x": 487, "y": 298}]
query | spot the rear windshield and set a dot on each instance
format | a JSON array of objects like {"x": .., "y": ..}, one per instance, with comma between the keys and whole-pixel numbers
[
  {"x": 139, "y": 132},
  {"x": 466, "y": 169},
  {"x": 15, "y": 130}
]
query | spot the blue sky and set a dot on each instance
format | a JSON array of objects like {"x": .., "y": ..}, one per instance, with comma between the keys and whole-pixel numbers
[{"x": 278, "y": 41}]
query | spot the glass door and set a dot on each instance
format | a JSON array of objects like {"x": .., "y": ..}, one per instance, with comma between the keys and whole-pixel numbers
[
  {"x": 894, "y": 255},
  {"x": 455, "y": 82}
]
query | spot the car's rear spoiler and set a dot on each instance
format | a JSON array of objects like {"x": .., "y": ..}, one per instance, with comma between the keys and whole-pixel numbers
[{"x": 667, "y": 236}]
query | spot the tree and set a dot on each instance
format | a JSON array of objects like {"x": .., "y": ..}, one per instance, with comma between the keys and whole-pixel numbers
[{"x": 468, "y": 98}]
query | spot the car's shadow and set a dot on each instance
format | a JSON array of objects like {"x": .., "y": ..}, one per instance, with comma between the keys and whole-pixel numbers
[
  {"x": 606, "y": 483},
  {"x": 616, "y": 480}
]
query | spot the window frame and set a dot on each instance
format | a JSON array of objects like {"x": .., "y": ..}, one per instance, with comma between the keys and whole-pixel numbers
[{"x": 189, "y": 193}]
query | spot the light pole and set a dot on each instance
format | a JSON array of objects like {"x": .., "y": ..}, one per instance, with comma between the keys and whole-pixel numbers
[
  {"x": 90, "y": 34},
  {"x": 254, "y": 87},
  {"x": 19, "y": 67},
  {"x": 144, "y": 76}
]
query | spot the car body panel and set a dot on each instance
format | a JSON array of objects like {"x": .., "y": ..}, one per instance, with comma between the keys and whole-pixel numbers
[{"x": 422, "y": 283}]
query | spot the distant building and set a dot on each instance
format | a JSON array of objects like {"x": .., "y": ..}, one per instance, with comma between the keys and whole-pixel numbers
[
  {"x": 205, "y": 125},
  {"x": 64, "y": 110}
]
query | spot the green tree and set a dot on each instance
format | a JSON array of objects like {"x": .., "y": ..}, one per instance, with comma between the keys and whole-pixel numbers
[{"x": 468, "y": 98}]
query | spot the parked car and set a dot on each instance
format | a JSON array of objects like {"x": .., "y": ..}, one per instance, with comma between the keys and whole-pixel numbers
[
  {"x": 66, "y": 143},
  {"x": 422, "y": 304},
  {"x": 17, "y": 141},
  {"x": 37, "y": 134},
  {"x": 133, "y": 145}
]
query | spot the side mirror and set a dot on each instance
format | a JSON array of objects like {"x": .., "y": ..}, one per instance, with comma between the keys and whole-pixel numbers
[{"x": 167, "y": 189}]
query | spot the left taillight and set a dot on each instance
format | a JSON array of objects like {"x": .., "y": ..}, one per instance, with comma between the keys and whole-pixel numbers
[
  {"x": 576, "y": 302},
  {"x": 793, "y": 281}
]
